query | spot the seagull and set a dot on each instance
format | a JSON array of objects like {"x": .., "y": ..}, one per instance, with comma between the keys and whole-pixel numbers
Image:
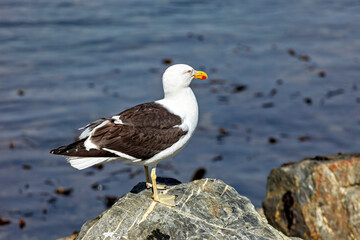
[{"x": 145, "y": 134}]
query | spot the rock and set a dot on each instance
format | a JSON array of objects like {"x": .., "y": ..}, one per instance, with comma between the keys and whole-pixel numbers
[
  {"x": 71, "y": 237},
  {"x": 206, "y": 209},
  {"x": 317, "y": 198}
]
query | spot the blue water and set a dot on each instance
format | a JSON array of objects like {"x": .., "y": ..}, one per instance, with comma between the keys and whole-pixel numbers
[{"x": 66, "y": 63}]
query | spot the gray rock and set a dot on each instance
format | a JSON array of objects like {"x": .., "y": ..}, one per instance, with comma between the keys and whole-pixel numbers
[
  {"x": 206, "y": 209},
  {"x": 317, "y": 198}
]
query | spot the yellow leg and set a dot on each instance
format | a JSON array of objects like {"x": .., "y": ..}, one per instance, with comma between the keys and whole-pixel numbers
[
  {"x": 161, "y": 198},
  {"x": 153, "y": 179},
  {"x": 148, "y": 183}
]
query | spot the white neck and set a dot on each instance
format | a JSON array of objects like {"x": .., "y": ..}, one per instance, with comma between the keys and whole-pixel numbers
[{"x": 182, "y": 103}]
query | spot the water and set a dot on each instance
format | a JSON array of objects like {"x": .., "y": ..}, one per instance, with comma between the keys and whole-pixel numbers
[{"x": 66, "y": 63}]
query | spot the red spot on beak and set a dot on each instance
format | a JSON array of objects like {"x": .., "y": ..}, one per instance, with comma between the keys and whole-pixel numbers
[{"x": 200, "y": 75}]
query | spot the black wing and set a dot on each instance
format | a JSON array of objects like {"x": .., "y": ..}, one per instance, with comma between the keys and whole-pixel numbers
[{"x": 146, "y": 130}]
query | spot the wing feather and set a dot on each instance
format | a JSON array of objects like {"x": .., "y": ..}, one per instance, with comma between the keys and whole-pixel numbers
[
  {"x": 147, "y": 129},
  {"x": 137, "y": 133}
]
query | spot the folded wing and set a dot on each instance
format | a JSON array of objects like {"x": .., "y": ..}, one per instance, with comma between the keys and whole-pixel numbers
[{"x": 137, "y": 133}]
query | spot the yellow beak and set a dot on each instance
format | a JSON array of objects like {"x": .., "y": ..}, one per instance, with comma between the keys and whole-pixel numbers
[{"x": 200, "y": 75}]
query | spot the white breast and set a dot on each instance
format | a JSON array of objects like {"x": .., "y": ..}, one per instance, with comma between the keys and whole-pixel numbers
[{"x": 183, "y": 104}]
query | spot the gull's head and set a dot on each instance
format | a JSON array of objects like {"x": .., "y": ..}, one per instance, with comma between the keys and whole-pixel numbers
[{"x": 179, "y": 76}]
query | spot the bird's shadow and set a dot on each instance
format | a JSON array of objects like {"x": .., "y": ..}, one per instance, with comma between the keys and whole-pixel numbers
[{"x": 167, "y": 181}]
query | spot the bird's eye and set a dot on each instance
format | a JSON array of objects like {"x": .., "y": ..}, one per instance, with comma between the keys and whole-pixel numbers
[{"x": 190, "y": 71}]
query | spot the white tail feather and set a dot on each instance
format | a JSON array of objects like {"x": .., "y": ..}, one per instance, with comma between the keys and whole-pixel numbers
[{"x": 85, "y": 162}]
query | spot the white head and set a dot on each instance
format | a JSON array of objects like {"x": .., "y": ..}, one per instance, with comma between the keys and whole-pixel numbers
[{"x": 180, "y": 76}]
